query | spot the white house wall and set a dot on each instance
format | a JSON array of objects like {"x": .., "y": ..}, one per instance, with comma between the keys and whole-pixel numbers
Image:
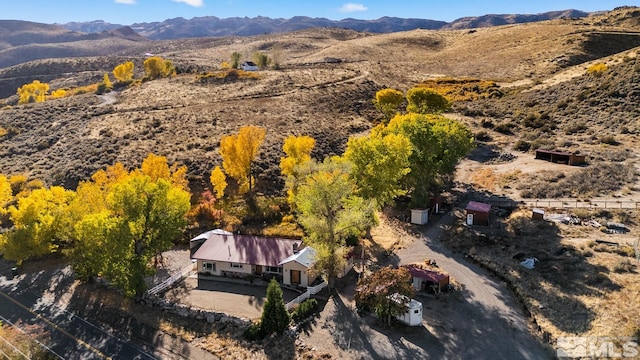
[
  {"x": 222, "y": 266},
  {"x": 305, "y": 275}
]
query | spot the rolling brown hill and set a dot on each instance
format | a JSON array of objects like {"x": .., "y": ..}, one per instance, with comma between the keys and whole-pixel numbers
[
  {"x": 23, "y": 41},
  {"x": 63, "y": 141}
]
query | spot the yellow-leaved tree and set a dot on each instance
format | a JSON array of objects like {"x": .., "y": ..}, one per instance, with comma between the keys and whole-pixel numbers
[
  {"x": 33, "y": 92},
  {"x": 41, "y": 224},
  {"x": 298, "y": 151},
  {"x": 388, "y": 102},
  {"x": 422, "y": 100},
  {"x": 238, "y": 152},
  {"x": 124, "y": 72},
  {"x": 156, "y": 67},
  {"x": 137, "y": 215},
  {"x": 6, "y": 194},
  {"x": 218, "y": 181}
]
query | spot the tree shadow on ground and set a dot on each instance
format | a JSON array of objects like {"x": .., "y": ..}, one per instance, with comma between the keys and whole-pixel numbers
[{"x": 101, "y": 317}]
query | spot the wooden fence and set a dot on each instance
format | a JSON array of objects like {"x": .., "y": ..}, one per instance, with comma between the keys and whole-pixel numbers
[{"x": 565, "y": 204}]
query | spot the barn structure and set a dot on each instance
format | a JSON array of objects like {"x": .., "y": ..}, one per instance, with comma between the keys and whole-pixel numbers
[{"x": 560, "y": 157}]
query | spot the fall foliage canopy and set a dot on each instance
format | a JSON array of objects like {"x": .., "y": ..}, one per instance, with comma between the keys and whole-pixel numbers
[{"x": 238, "y": 152}]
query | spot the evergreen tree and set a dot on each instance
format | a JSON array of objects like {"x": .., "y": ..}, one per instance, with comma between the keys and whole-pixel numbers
[{"x": 275, "y": 317}]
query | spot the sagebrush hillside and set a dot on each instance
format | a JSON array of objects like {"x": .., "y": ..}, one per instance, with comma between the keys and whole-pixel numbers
[{"x": 324, "y": 89}]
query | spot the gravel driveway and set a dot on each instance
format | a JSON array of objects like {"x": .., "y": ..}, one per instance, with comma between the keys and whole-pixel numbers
[{"x": 480, "y": 321}]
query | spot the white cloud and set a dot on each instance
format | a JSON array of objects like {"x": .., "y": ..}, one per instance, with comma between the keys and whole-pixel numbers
[
  {"x": 351, "y": 7},
  {"x": 194, "y": 3},
  {"x": 128, "y": 2}
]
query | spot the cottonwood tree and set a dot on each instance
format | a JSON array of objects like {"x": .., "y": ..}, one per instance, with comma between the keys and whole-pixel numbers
[
  {"x": 421, "y": 100},
  {"x": 388, "y": 102},
  {"x": 6, "y": 194},
  {"x": 373, "y": 292},
  {"x": 218, "y": 181},
  {"x": 156, "y": 67},
  {"x": 276, "y": 56},
  {"x": 380, "y": 161},
  {"x": 144, "y": 211},
  {"x": 330, "y": 212},
  {"x": 40, "y": 224},
  {"x": 105, "y": 85},
  {"x": 261, "y": 59},
  {"x": 36, "y": 91},
  {"x": 438, "y": 143},
  {"x": 124, "y": 72},
  {"x": 235, "y": 60},
  {"x": 238, "y": 153},
  {"x": 298, "y": 151}
]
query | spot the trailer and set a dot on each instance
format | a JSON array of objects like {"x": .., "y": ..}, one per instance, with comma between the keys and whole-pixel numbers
[{"x": 413, "y": 316}]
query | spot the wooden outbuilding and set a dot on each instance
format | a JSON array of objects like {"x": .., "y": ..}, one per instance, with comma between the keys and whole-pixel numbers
[
  {"x": 537, "y": 214},
  {"x": 560, "y": 157},
  {"x": 425, "y": 279},
  {"x": 477, "y": 213}
]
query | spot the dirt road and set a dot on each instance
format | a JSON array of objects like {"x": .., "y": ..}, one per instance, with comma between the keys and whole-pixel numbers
[
  {"x": 486, "y": 321},
  {"x": 479, "y": 321}
]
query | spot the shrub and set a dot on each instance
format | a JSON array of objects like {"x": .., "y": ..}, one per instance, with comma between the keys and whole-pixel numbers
[
  {"x": 487, "y": 124},
  {"x": 483, "y": 136},
  {"x": 504, "y": 128},
  {"x": 254, "y": 332},
  {"x": 609, "y": 140},
  {"x": 576, "y": 127},
  {"x": 597, "y": 69},
  {"x": 623, "y": 266},
  {"x": 304, "y": 310},
  {"x": 626, "y": 250},
  {"x": 522, "y": 145}
]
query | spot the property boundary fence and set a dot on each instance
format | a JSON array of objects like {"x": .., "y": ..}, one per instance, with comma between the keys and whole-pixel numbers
[
  {"x": 566, "y": 204},
  {"x": 172, "y": 280},
  {"x": 311, "y": 290}
]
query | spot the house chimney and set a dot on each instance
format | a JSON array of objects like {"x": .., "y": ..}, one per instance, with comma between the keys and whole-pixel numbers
[{"x": 295, "y": 248}]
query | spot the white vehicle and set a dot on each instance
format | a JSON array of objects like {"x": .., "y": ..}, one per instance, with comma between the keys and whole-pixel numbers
[{"x": 249, "y": 66}]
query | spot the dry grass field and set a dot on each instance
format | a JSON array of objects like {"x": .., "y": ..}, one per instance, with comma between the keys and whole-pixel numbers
[{"x": 549, "y": 101}]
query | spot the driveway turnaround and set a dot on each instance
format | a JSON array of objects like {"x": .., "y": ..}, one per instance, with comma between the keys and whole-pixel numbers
[{"x": 233, "y": 297}]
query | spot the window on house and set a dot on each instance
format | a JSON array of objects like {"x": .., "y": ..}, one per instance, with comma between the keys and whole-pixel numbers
[
  {"x": 236, "y": 266},
  {"x": 208, "y": 266},
  {"x": 274, "y": 269},
  {"x": 416, "y": 311}
]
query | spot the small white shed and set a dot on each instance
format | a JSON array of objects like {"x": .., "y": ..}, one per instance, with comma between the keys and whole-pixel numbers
[
  {"x": 413, "y": 316},
  {"x": 419, "y": 216}
]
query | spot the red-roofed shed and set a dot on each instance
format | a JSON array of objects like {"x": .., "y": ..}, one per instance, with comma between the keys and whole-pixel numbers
[
  {"x": 424, "y": 279},
  {"x": 478, "y": 213}
]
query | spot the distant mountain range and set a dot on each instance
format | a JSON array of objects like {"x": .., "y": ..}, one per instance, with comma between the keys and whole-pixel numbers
[{"x": 213, "y": 26}]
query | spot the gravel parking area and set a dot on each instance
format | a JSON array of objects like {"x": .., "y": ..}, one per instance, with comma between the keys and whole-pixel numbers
[{"x": 230, "y": 296}]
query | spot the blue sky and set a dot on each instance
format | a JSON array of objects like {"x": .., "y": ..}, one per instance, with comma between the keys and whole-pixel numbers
[{"x": 127, "y": 12}]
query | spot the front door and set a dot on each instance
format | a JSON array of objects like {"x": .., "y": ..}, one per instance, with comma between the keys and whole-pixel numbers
[
  {"x": 295, "y": 277},
  {"x": 258, "y": 270},
  {"x": 469, "y": 219}
]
